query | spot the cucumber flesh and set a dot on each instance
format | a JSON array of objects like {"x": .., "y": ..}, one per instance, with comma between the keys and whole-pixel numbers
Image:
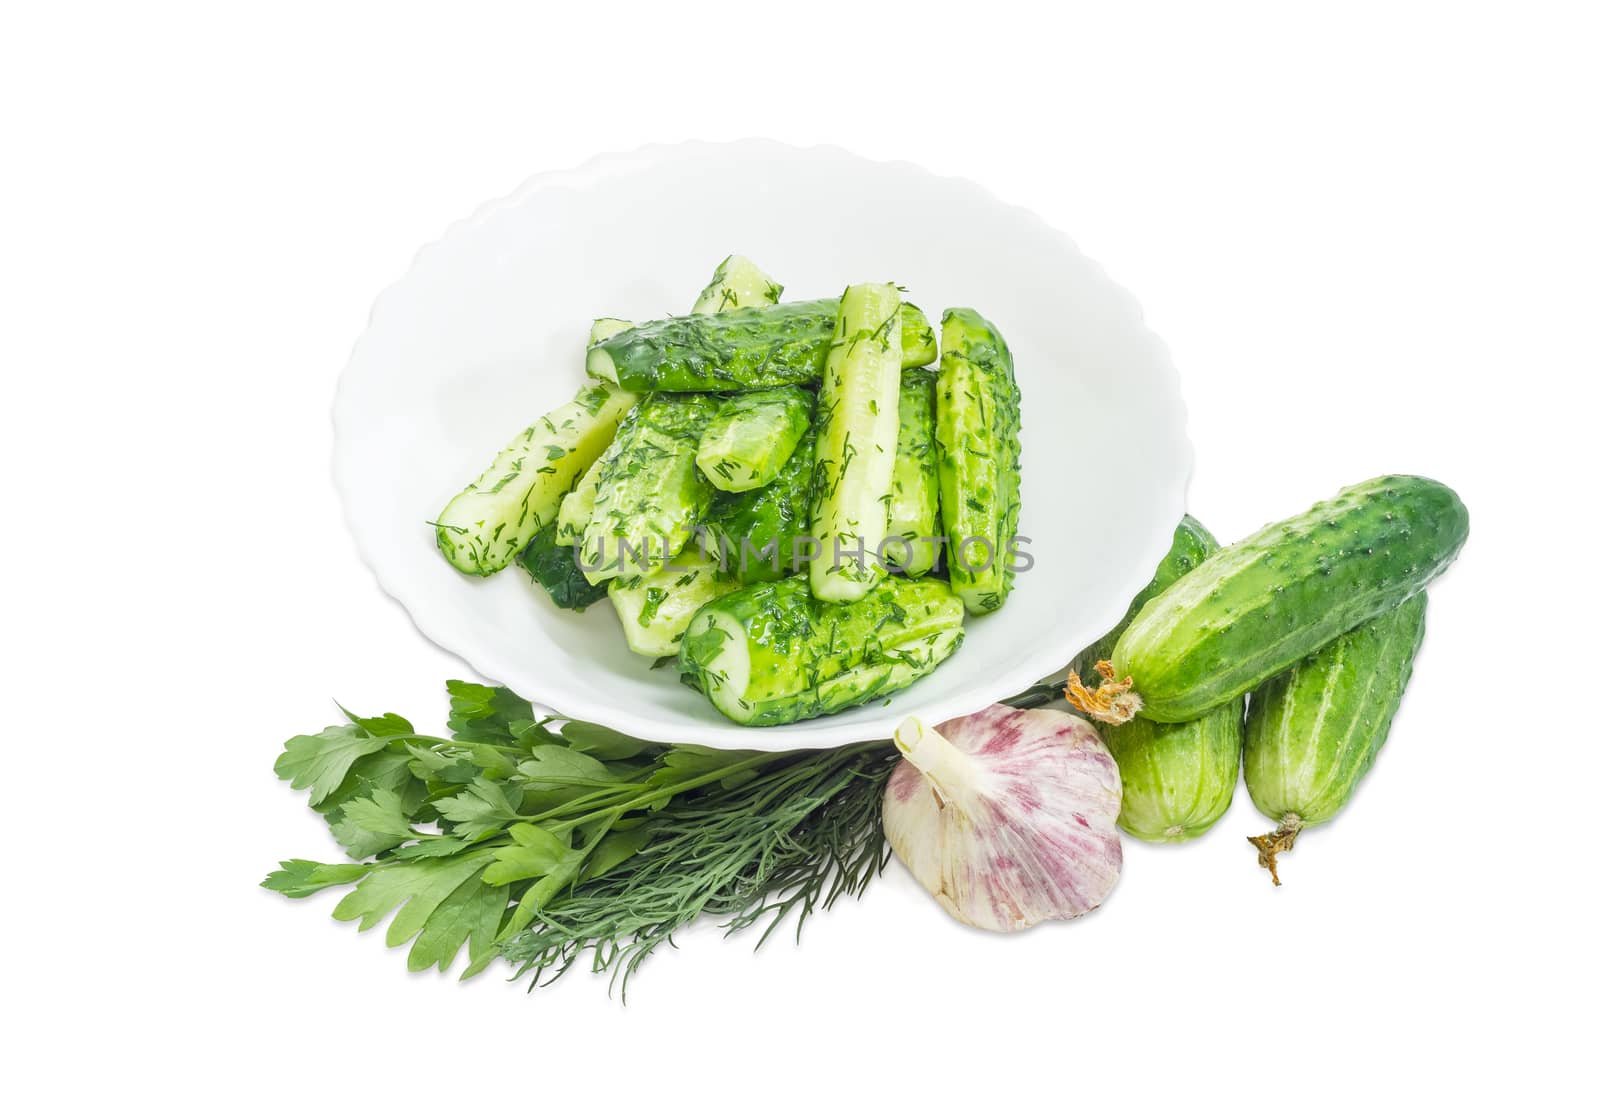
[
  {"x": 770, "y": 653},
  {"x": 494, "y": 518},
  {"x": 606, "y": 327},
  {"x": 737, "y": 283},
  {"x": 650, "y": 496},
  {"x": 752, "y": 436},
  {"x": 858, "y": 426},
  {"x": 655, "y": 612},
  {"x": 914, "y": 501}
]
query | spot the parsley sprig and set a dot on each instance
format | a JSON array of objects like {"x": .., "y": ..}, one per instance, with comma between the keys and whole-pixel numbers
[{"x": 542, "y": 839}]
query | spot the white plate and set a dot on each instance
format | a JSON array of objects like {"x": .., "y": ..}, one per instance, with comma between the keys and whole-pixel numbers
[{"x": 486, "y": 332}]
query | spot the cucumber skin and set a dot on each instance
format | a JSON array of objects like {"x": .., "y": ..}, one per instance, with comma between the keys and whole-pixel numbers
[
  {"x": 779, "y": 511},
  {"x": 979, "y": 415},
  {"x": 810, "y": 658},
  {"x": 1177, "y": 779},
  {"x": 757, "y": 348},
  {"x": 650, "y": 491},
  {"x": 1314, "y": 731},
  {"x": 752, "y": 437},
  {"x": 1191, "y": 544},
  {"x": 555, "y": 568},
  {"x": 1261, "y": 605}
]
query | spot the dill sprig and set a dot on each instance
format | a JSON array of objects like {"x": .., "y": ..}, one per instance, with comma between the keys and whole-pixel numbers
[{"x": 789, "y": 841}]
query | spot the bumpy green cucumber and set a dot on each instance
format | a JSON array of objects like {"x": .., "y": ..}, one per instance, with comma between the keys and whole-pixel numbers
[
  {"x": 655, "y": 612},
  {"x": 1263, "y": 604},
  {"x": 1177, "y": 779},
  {"x": 752, "y": 436},
  {"x": 760, "y": 535},
  {"x": 493, "y": 519},
  {"x": 771, "y": 654},
  {"x": 914, "y": 499},
  {"x": 744, "y": 349},
  {"x": 555, "y": 568},
  {"x": 651, "y": 497},
  {"x": 980, "y": 466},
  {"x": 1314, "y": 731},
  {"x": 1191, "y": 544}
]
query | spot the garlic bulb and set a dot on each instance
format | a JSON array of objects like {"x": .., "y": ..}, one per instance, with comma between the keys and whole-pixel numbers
[{"x": 1009, "y": 816}]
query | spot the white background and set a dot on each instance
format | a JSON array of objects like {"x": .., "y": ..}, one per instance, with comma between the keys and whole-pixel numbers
[{"x": 1369, "y": 234}]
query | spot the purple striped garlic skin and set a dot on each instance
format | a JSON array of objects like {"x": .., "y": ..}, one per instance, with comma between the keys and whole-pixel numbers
[{"x": 1008, "y": 816}]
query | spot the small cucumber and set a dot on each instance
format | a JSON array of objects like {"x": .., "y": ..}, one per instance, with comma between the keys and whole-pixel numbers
[
  {"x": 1177, "y": 779},
  {"x": 1263, "y": 604},
  {"x": 1314, "y": 731},
  {"x": 1191, "y": 544}
]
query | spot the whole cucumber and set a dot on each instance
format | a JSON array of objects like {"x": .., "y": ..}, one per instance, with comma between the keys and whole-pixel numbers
[
  {"x": 1191, "y": 544},
  {"x": 1314, "y": 731},
  {"x": 1263, "y": 604},
  {"x": 757, "y": 348},
  {"x": 1177, "y": 779}
]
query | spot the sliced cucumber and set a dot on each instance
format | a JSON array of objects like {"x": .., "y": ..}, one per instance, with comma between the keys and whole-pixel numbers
[
  {"x": 655, "y": 612},
  {"x": 858, "y": 424},
  {"x": 752, "y": 436},
  {"x": 494, "y": 518}
]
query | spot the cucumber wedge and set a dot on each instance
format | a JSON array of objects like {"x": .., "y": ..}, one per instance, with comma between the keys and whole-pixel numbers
[
  {"x": 493, "y": 519},
  {"x": 761, "y": 535},
  {"x": 606, "y": 327},
  {"x": 752, "y": 436},
  {"x": 737, "y": 284},
  {"x": 914, "y": 499},
  {"x": 771, "y": 654},
  {"x": 858, "y": 426},
  {"x": 650, "y": 497},
  {"x": 555, "y": 568},
  {"x": 980, "y": 458},
  {"x": 655, "y": 612},
  {"x": 743, "y": 349}
]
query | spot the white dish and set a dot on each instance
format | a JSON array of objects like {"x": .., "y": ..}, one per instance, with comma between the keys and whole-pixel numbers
[{"x": 486, "y": 332}]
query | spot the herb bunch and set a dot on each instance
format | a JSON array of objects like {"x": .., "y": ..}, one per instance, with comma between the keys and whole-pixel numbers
[{"x": 542, "y": 839}]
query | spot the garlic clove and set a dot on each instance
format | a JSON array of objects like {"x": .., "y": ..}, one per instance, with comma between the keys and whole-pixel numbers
[{"x": 1008, "y": 816}]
